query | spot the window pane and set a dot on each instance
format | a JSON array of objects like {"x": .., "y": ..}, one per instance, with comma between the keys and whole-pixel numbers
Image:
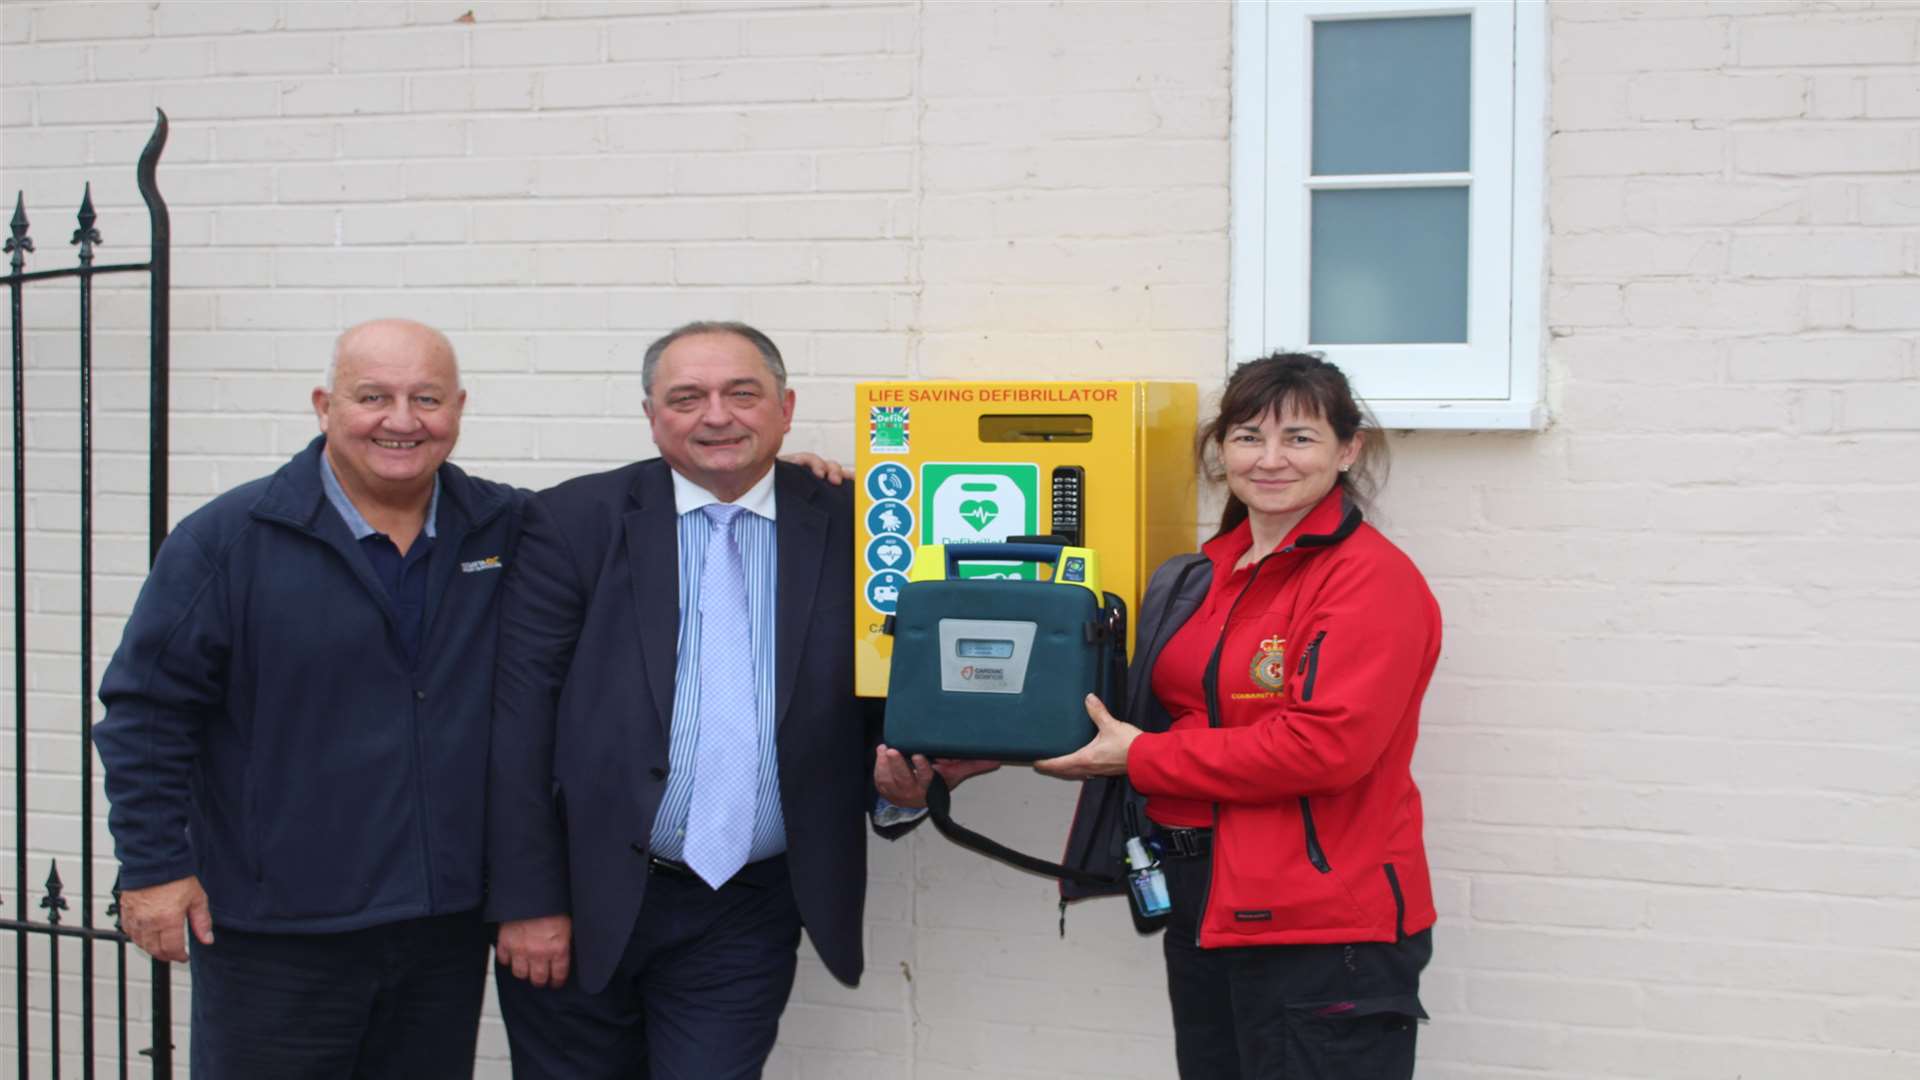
[
  {"x": 1389, "y": 266},
  {"x": 1390, "y": 95}
]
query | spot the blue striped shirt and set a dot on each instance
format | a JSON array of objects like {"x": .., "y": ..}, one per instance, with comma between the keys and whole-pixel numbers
[{"x": 754, "y": 532}]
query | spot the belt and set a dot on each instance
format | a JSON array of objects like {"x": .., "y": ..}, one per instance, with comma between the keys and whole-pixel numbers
[
  {"x": 669, "y": 868},
  {"x": 754, "y": 875},
  {"x": 1184, "y": 843}
]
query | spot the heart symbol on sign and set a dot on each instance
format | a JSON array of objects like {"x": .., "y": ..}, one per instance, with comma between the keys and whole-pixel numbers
[
  {"x": 979, "y": 513},
  {"x": 891, "y": 553}
]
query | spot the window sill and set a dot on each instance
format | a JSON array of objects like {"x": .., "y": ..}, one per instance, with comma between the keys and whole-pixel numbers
[{"x": 1461, "y": 415}]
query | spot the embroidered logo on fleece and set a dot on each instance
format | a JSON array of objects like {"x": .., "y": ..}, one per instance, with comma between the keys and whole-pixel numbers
[
  {"x": 491, "y": 562},
  {"x": 1270, "y": 663}
]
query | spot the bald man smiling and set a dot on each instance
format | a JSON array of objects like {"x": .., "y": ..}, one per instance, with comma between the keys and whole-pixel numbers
[{"x": 296, "y": 736}]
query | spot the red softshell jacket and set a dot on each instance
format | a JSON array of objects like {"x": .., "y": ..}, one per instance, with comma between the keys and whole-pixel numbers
[{"x": 1321, "y": 666}]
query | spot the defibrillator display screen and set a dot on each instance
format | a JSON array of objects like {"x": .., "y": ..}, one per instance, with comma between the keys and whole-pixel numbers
[
  {"x": 985, "y": 656},
  {"x": 983, "y": 649}
]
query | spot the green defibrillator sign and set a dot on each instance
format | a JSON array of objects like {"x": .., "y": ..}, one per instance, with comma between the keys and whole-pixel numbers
[{"x": 980, "y": 503}]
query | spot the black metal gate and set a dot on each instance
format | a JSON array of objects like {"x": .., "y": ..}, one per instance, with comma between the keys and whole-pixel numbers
[{"x": 50, "y": 924}]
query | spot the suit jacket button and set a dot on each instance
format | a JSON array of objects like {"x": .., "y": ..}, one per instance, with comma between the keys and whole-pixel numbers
[{"x": 658, "y": 774}]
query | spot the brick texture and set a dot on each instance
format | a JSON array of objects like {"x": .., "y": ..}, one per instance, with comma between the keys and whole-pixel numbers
[{"x": 1669, "y": 754}]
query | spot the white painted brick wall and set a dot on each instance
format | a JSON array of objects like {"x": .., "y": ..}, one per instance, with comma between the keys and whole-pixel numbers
[
  {"x": 1672, "y": 744},
  {"x": 1670, "y": 753}
]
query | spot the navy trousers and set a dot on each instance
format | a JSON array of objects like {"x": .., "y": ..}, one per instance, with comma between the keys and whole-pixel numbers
[
  {"x": 697, "y": 995},
  {"x": 1288, "y": 1012},
  {"x": 400, "y": 1000}
]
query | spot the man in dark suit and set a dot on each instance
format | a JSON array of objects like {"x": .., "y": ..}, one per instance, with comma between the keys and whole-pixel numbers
[{"x": 680, "y": 775}]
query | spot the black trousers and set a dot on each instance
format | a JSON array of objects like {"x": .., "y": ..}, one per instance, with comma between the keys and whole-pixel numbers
[
  {"x": 697, "y": 995},
  {"x": 400, "y": 1000},
  {"x": 1288, "y": 1012}
]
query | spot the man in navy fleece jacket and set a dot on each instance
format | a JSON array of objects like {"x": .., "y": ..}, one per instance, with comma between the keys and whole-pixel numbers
[{"x": 296, "y": 736}]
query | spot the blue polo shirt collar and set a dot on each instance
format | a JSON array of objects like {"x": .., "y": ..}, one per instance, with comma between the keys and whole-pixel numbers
[{"x": 356, "y": 521}]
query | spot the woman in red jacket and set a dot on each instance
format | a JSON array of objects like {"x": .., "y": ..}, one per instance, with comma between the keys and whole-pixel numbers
[{"x": 1287, "y": 663}]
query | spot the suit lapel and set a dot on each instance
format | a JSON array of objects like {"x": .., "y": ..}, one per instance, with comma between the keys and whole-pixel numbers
[
  {"x": 800, "y": 532},
  {"x": 653, "y": 554}
]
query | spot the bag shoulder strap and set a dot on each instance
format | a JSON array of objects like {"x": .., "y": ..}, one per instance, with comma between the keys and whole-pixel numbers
[
  {"x": 1113, "y": 622},
  {"x": 940, "y": 808}
]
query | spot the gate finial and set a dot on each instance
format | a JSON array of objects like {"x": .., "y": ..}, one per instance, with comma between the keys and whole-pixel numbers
[
  {"x": 19, "y": 243},
  {"x": 53, "y": 901},
  {"x": 86, "y": 235}
]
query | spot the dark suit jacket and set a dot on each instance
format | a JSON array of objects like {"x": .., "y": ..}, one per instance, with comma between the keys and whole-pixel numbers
[{"x": 583, "y": 697}]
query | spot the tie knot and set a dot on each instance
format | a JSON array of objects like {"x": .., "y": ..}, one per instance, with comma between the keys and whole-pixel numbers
[{"x": 722, "y": 515}]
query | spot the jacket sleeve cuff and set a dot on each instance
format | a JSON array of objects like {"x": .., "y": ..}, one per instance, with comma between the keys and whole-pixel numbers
[
  {"x": 525, "y": 904},
  {"x": 1146, "y": 763},
  {"x": 886, "y": 815},
  {"x": 147, "y": 876}
]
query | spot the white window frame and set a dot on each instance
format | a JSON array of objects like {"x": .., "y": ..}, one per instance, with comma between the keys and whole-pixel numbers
[{"x": 1494, "y": 380}]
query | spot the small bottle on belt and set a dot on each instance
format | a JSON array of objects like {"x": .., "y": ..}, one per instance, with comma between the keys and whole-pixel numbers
[{"x": 1146, "y": 880}]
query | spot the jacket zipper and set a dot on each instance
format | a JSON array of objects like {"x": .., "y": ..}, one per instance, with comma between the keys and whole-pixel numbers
[
  {"x": 1312, "y": 663},
  {"x": 1399, "y": 903},
  {"x": 454, "y": 542},
  {"x": 420, "y": 777},
  {"x": 1314, "y": 854},
  {"x": 424, "y": 801},
  {"x": 1210, "y": 683}
]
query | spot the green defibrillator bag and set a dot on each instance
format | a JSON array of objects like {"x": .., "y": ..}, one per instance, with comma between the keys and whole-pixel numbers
[{"x": 997, "y": 666}]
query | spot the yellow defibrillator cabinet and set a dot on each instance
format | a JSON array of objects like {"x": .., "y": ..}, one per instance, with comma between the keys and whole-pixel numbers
[{"x": 1105, "y": 465}]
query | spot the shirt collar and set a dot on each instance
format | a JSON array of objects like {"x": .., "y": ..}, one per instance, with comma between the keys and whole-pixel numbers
[
  {"x": 356, "y": 521},
  {"x": 1325, "y": 524},
  {"x": 689, "y": 496}
]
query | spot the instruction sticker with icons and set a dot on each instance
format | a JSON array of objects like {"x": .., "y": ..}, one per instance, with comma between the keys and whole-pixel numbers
[
  {"x": 889, "y": 521},
  {"x": 890, "y": 516},
  {"x": 889, "y": 480},
  {"x": 883, "y": 590},
  {"x": 980, "y": 503},
  {"x": 889, "y": 552}
]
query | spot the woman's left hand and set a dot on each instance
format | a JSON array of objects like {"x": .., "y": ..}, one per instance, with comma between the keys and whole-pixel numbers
[{"x": 1106, "y": 755}]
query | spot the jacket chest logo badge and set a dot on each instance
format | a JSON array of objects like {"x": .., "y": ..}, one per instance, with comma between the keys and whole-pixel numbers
[
  {"x": 1269, "y": 668},
  {"x": 491, "y": 562}
]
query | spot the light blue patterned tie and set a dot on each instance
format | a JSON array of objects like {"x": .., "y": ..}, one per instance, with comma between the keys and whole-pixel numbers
[{"x": 726, "y": 760}]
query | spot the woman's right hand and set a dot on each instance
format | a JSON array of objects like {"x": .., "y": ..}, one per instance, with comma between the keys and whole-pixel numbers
[{"x": 1106, "y": 755}]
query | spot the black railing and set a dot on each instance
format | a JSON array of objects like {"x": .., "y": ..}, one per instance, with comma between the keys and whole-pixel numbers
[{"x": 53, "y": 902}]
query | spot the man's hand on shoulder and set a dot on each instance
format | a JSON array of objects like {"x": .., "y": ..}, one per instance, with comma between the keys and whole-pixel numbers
[
  {"x": 156, "y": 918},
  {"x": 831, "y": 471},
  {"x": 538, "y": 950}
]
